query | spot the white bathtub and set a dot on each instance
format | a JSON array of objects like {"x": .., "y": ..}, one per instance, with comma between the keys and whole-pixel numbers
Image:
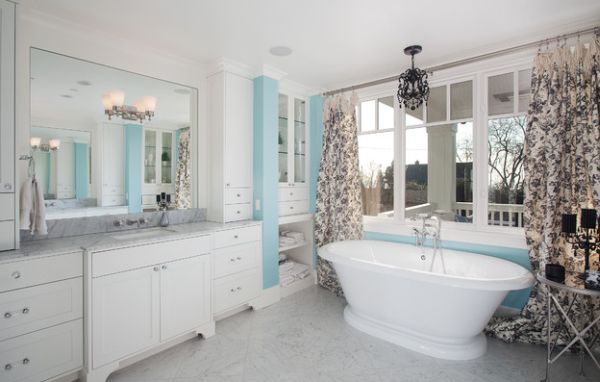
[{"x": 395, "y": 295}]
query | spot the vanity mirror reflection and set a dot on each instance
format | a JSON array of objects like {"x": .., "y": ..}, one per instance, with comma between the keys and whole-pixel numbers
[{"x": 107, "y": 141}]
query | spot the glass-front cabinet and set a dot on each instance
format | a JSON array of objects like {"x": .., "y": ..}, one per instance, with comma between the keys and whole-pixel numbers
[
  {"x": 293, "y": 155},
  {"x": 159, "y": 164}
]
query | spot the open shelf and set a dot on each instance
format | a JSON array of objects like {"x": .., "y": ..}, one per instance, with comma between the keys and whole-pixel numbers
[
  {"x": 292, "y": 246},
  {"x": 297, "y": 285}
]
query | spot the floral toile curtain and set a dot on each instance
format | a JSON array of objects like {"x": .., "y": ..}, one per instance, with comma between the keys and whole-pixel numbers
[
  {"x": 183, "y": 198},
  {"x": 562, "y": 174},
  {"x": 339, "y": 211}
]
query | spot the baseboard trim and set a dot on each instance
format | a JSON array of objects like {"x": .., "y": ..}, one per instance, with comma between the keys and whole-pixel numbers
[{"x": 267, "y": 297}]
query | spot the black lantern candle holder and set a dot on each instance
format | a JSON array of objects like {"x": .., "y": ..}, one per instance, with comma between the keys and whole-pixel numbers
[
  {"x": 587, "y": 237},
  {"x": 163, "y": 201}
]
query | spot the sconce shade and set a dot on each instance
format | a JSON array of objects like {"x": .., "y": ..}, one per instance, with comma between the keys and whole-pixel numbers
[
  {"x": 139, "y": 106},
  {"x": 35, "y": 141},
  {"x": 117, "y": 98},
  {"x": 149, "y": 103},
  {"x": 569, "y": 223},
  {"x": 588, "y": 218},
  {"x": 107, "y": 102},
  {"x": 54, "y": 144}
]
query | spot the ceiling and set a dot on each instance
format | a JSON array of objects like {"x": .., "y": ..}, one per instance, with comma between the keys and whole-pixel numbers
[
  {"x": 334, "y": 42},
  {"x": 66, "y": 89}
]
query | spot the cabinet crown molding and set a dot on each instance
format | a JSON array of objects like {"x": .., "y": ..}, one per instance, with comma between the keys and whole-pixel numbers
[
  {"x": 224, "y": 64},
  {"x": 271, "y": 72}
]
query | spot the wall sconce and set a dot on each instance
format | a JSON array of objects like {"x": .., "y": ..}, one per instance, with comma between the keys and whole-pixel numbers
[
  {"x": 37, "y": 145},
  {"x": 114, "y": 105}
]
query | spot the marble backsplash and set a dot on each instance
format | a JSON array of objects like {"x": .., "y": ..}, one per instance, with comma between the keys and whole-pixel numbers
[{"x": 100, "y": 224}]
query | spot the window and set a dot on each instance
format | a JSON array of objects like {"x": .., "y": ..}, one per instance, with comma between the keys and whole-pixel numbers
[
  {"x": 508, "y": 99},
  {"x": 457, "y": 161},
  {"x": 376, "y": 156}
]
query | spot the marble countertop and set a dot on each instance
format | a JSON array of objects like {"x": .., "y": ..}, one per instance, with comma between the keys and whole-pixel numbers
[{"x": 107, "y": 241}]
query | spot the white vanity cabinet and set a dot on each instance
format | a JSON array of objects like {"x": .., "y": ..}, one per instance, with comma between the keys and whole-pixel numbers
[
  {"x": 41, "y": 322},
  {"x": 143, "y": 296},
  {"x": 230, "y": 99},
  {"x": 293, "y": 154},
  {"x": 7, "y": 125}
]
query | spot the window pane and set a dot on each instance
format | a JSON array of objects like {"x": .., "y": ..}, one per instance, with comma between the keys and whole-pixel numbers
[
  {"x": 436, "y": 105},
  {"x": 367, "y": 116},
  {"x": 501, "y": 94},
  {"x": 524, "y": 90},
  {"x": 505, "y": 166},
  {"x": 414, "y": 117},
  {"x": 386, "y": 113},
  {"x": 376, "y": 157},
  {"x": 439, "y": 171},
  {"x": 461, "y": 100}
]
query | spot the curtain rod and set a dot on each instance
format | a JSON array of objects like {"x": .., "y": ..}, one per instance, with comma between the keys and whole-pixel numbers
[{"x": 470, "y": 59}]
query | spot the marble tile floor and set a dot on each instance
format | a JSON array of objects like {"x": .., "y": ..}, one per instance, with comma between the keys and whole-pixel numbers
[{"x": 304, "y": 338}]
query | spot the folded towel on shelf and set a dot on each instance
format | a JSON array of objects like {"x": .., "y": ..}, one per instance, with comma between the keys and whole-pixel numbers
[
  {"x": 286, "y": 267},
  {"x": 282, "y": 257},
  {"x": 298, "y": 236},
  {"x": 287, "y": 280}
]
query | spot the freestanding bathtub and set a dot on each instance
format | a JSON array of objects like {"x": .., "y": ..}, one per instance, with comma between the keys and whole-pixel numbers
[{"x": 404, "y": 296}]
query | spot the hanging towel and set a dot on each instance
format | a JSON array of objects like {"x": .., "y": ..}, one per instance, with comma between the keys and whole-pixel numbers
[
  {"x": 32, "y": 211},
  {"x": 39, "y": 221},
  {"x": 26, "y": 204}
]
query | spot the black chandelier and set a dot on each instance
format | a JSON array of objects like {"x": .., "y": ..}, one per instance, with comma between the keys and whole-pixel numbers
[{"x": 413, "y": 88}]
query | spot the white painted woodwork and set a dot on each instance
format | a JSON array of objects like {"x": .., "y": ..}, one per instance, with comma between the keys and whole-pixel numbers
[
  {"x": 30, "y": 309},
  {"x": 118, "y": 260},
  {"x": 230, "y": 103},
  {"x": 236, "y": 236},
  {"x": 64, "y": 171},
  {"x": 235, "y": 290},
  {"x": 29, "y": 272},
  {"x": 125, "y": 314},
  {"x": 184, "y": 296},
  {"x": 112, "y": 169},
  {"x": 292, "y": 208},
  {"x": 43, "y": 354},
  {"x": 238, "y": 195},
  {"x": 7, "y": 124},
  {"x": 287, "y": 194},
  {"x": 236, "y": 259}
]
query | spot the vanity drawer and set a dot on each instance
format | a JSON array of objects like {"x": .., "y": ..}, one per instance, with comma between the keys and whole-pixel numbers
[
  {"x": 292, "y": 208},
  {"x": 238, "y": 195},
  {"x": 236, "y": 259},
  {"x": 124, "y": 259},
  {"x": 113, "y": 200},
  {"x": 235, "y": 212},
  {"x": 237, "y": 236},
  {"x": 43, "y": 354},
  {"x": 287, "y": 194},
  {"x": 232, "y": 291},
  {"x": 30, "y": 309},
  {"x": 25, "y": 273},
  {"x": 111, "y": 189}
]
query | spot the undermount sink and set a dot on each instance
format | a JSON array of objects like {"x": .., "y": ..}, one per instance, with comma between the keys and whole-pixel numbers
[{"x": 151, "y": 232}]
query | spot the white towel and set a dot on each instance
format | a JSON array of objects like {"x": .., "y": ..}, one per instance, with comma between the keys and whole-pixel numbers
[
  {"x": 26, "y": 204},
  {"x": 32, "y": 210},
  {"x": 39, "y": 227}
]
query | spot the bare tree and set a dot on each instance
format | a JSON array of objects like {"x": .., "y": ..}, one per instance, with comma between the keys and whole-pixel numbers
[{"x": 506, "y": 155}]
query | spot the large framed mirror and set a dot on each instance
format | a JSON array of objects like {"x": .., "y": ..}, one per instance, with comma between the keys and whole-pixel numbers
[{"x": 108, "y": 141}]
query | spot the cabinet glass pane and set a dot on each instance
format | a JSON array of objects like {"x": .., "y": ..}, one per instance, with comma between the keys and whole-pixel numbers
[
  {"x": 461, "y": 100},
  {"x": 166, "y": 158},
  {"x": 299, "y": 141},
  {"x": 501, "y": 94},
  {"x": 150, "y": 157},
  {"x": 283, "y": 138},
  {"x": 524, "y": 90},
  {"x": 436, "y": 105},
  {"x": 414, "y": 117}
]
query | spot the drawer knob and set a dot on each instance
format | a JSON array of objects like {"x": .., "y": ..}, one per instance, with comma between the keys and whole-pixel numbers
[
  {"x": 238, "y": 195},
  {"x": 232, "y": 290},
  {"x": 7, "y": 315},
  {"x": 291, "y": 207},
  {"x": 235, "y": 236},
  {"x": 239, "y": 288},
  {"x": 232, "y": 259},
  {"x": 25, "y": 361},
  {"x": 16, "y": 275},
  {"x": 291, "y": 194},
  {"x": 156, "y": 269},
  {"x": 237, "y": 212},
  {"x": 8, "y": 366},
  {"x": 227, "y": 184},
  {"x": 164, "y": 267},
  {"x": 239, "y": 258},
  {"x": 25, "y": 311}
]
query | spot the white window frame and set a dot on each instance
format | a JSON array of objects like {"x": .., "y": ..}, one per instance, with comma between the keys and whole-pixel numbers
[{"x": 478, "y": 232}]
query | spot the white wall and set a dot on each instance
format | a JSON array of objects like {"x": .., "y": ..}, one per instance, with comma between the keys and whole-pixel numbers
[{"x": 40, "y": 31}]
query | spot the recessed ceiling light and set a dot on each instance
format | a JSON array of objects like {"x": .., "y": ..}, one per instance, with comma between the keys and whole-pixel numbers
[
  {"x": 66, "y": 95},
  {"x": 84, "y": 83},
  {"x": 280, "y": 51},
  {"x": 73, "y": 90},
  {"x": 182, "y": 91}
]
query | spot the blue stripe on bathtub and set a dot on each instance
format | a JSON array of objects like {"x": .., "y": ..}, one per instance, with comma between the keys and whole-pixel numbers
[{"x": 515, "y": 299}]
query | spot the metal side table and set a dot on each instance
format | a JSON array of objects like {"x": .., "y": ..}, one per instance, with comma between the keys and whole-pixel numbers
[{"x": 574, "y": 285}]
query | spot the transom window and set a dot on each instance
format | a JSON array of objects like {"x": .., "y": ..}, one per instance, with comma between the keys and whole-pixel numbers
[{"x": 461, "y": 155}]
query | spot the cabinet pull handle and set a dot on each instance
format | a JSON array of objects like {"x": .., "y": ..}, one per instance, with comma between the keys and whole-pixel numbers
[
  {"x": 239, "y": 288},
  {"x": 16, "y": 275},
  {"x": 25, "y": 361},
  {"x": 232, "y": 259},
  {"x": 8, "y": 366},
  {"x": 25, "y": 310},
  {"x": 7, "y": 315},
  {"x": 156, "y": 269},
  {"x": 164, "y": 267}
]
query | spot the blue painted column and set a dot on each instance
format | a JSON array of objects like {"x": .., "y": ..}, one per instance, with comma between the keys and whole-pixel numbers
[
  {"x": 133, "y": 167},
  {"x": 316, "y": 146},
  {"x": 81, "y": 170},
  {"x": 265, "y": 168}
]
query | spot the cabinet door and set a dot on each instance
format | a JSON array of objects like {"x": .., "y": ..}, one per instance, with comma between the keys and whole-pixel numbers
[
  {"x": 125, "y": 313},
  {"x": 166, "y": 157},
  {"x": 150, "y": 160},
  {"x": 283, "y": 138},
  {"x": 237, "y": 171},
  {"x": 7, "y": 99},
  {"x": 299, "y": 143},
  {"x": 185, "y": 295}
]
